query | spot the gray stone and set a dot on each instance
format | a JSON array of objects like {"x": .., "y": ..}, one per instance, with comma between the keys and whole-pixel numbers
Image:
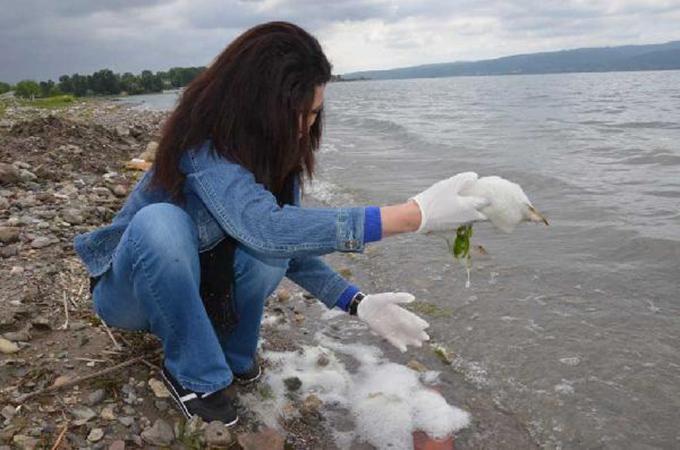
[
  {"x": 117, "y": 445},
  {"x": 8, "y": 412},
  {"x": 82, "y": 415},
  {"x": 161, "y": 405},
  {"x": 292, "y": 383},
  {"x": 9, "y": 234},
  {"x": 126, "y": 420},
  {"x": 160, "y": 434},
  {"x": 322, "y": 360},
  {"x": 18, "y": 336},
  {"x": 4, "y": 203},
  {"x": 101, "y": 190},
  {"x": 96, "y": 397},
  {"x": 27, "y": 175},
  {"x": 72, "y": 216},
  {"x": 119, "y": 190},
  {"x": 95, "y": 435},
  {"x": 217, "y": 435},
  {"x": 8, "y": 174},
  {"x": 9, "y": 250},
  {"x": 23, "y": 442},
  {"x": 265, "y": 438},
  {"x": 41, "y": 242}
]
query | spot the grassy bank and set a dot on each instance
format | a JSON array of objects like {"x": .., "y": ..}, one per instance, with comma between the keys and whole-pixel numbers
[{"x": 58, "y": 101}]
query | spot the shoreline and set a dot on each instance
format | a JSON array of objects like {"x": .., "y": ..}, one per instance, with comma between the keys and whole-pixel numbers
[{"x": 70, "y": 177}]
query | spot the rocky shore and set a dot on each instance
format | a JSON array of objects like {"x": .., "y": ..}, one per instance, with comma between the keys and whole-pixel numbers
[{"x": 67, "y": 381}]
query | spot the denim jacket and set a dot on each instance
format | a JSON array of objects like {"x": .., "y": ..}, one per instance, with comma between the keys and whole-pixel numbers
[{"x": 223, "y": 197}]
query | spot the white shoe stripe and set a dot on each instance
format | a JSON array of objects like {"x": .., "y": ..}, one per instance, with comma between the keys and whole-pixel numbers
[{"x": 188, "y": 397}]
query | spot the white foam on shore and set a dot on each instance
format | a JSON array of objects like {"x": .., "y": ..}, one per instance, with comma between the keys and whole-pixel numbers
[
  {"x": 387, "y": 401},
  {"x": 324, "y": 191}
]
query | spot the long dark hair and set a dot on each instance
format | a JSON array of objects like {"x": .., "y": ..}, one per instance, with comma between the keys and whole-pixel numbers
[{"x": 248, "y": 102}]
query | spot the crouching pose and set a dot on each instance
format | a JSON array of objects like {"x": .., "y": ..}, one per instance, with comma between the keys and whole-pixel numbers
[{"x": 210, "y": 230}]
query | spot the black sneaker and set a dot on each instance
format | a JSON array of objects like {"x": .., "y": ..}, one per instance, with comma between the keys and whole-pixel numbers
[
  {"x": 212, "y": 406},
  {"x": 250, "y": 376}
]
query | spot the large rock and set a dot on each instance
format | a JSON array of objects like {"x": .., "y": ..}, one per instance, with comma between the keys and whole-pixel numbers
[
  {"x": 9, "y": 174},
  {"x": 160, "y": 434}
]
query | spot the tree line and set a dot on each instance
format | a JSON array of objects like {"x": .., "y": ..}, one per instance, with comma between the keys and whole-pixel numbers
[{"x": 105, "y": 82}]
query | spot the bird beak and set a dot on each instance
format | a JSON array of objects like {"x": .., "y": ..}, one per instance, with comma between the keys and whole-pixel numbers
[{"x": 536, "y": 216}]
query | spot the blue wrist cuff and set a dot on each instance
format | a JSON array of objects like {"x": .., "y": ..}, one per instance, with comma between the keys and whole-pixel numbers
[
  {"x": 372, "y": 224},
  {"x": 346, "y": 297}
]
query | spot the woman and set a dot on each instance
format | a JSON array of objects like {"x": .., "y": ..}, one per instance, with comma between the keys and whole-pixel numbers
[{"x": 209, "y": 232}]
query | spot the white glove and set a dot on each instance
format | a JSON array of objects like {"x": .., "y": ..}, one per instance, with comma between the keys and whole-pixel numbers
[
  {"x": 396, "y": 324},
  {"x": 442, "y": 208}
]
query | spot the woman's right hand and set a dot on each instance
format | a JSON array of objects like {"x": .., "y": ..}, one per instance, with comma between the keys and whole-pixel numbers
[{"x": 444, "y": 209}]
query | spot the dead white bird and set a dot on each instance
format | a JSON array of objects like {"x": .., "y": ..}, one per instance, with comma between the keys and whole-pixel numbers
[{"x": 509, "y": 204}]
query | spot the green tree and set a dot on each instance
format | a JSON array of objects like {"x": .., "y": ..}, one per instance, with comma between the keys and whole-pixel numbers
[
  {"x": 27, "y": 89},
  {"x": 65, "y": 84},
  {"x": 151, "y": 82},
  {"x": 79, "y": 84},
  {"x": 4, "y": 87},
  {"x": 105, "y": 82},
  {"x": 48, "y": 88}
]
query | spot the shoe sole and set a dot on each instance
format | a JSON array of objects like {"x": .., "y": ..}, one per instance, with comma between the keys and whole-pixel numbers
[
  {"x": 175, "y": 396},
  {"x": 245, "y": 382}
]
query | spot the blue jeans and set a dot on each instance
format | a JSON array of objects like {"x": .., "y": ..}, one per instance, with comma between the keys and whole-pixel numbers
[{"x": 153, "y": 285}]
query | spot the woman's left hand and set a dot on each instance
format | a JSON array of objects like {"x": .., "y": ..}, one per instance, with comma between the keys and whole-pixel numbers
[{"x": 396, "y": 324}]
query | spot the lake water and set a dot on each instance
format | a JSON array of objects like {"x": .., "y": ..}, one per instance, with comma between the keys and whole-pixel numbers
[{"x": 573, "y": 328}]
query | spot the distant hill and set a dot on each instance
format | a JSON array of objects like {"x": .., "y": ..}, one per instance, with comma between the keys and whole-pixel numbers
[{"x": 602, "y": 59}]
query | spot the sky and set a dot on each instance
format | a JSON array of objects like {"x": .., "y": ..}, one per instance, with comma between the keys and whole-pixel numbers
[{"x": 41, "y": 39}]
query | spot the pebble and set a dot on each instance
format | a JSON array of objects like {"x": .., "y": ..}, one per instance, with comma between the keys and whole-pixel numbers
[
  {"x": 8, "y": 174},
  {"x": 416, "y": 365},
  {"x": 101, "y": 190},
  {"x": 117, "y": 445},
  {"x": 9, "y": 234},
  {"x": 72, "y": 216},
  {"x": 8, "y": 412},
  {"x": 27, "y": 175},
  {"x": 161, "y": 405},
  {"x": 266, "y": 438},
  {"x": 160, "y": 434},
  {"x": 119, "y": 190},
  {"x": 82, "y": 415},
  {"x": 292, "y": 383},
  {"x": 18, "y": 336},
  {"x": 158, "y": 388},
  {"x": 23, "y": 442},
  {"x": 7, "y": 346},
  {"x": 41, "y": 242},
  {"x": 311, "y": 404},
  {"x": 126, "y": 420},
  {"x": 9, "y": 250},
  {"x": 217, "y": 435},
  {"x": 96, "y": 397},
  {"x": 322, "y": 360},
  {"x": 107, "y": 413},
  {"x": 96, "y": 435}
]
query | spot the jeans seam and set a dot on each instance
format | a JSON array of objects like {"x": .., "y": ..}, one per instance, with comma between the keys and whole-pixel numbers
[{"x": 153, "y": 292}]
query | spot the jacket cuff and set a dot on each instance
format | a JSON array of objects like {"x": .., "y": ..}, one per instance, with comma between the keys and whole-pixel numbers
[
  {"x": 372, "y": 224},
  {"x": 346, "y": 297}
]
